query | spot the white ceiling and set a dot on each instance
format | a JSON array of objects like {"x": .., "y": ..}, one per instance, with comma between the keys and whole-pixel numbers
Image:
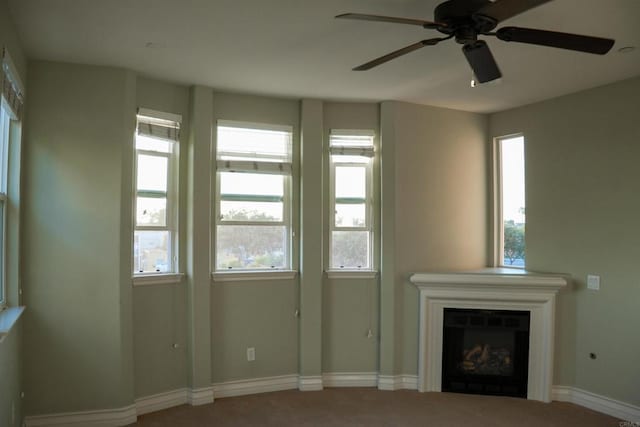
[{"x": 296, "y": 48}]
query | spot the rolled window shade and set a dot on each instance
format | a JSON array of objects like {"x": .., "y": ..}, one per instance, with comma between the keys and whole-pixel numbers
[
  {"x": 351, "y": 142},
  {"x": 158, "y": 128},
  {"x": 352, "y": 151},
  {"x": 351, "y": 137},
  {"x": 11, "y": 86},
  {"x": 276, "y": 168}
]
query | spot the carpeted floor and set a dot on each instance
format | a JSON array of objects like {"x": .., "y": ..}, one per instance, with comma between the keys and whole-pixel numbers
[{"x": 371, "y": 407}]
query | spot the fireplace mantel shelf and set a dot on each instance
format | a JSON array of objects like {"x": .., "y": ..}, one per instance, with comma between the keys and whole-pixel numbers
[
  {"x": 491, "y": 279},
  {"x": 490, "y": 289}
]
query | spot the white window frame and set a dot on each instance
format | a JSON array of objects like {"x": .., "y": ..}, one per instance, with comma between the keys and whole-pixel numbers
[
  {"x": 171, "y": 224},
  {"x": 5, "y": 129},
  {"x": 369, "y": 208},
  {"x": 498, "y": 219},
  {"x": 242, "y": 166}
]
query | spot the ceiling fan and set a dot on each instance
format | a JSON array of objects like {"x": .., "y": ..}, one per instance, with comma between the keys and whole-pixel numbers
[{"x": 465, "y": 20}]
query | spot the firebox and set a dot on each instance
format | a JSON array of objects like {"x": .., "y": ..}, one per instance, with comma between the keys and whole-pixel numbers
[{"x": 485, "y": 352}]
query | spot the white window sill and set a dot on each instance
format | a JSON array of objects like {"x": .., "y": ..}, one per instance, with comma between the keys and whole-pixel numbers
[
  {"x": 8, "y": 319},
  {"x": 351, "y": 274},
  {"x": 513, "y": 267},
  {"x": 244, "y": 275},
  {"x": 157, "y": 279}
]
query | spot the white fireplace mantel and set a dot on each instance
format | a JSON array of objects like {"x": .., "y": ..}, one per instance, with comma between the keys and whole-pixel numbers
[{"x": 489, "y": 289}]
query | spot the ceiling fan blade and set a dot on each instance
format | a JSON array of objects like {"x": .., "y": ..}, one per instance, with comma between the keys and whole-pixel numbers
[
  {"x": 481, "y": 60},
  {"x": 505, "y": 9},
  {"x": 379, "y": 18},
  {"x": 577, "y": 42},
  {"x": 388, "y": 57}
]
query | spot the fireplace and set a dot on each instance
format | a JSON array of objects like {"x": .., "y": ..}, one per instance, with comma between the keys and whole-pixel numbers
[
  {"x": 508, "y": 293},
  {"x": 485, "y": 351}
]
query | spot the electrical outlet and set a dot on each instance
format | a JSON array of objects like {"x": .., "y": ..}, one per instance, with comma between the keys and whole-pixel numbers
[
  {"x": 593, "y": 282},
  {"x": 251, "y": 354}
]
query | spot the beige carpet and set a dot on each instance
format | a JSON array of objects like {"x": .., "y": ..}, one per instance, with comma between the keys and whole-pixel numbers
[{"x": 371, "y": 407}]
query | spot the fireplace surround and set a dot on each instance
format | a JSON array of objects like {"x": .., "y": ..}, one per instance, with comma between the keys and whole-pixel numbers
[{"x": 489, "y": 290}]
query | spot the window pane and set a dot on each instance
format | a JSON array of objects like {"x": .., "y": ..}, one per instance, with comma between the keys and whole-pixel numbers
[
  {"x": 251, "y": 211},
  {"x": 351, "y": 181},
  {"x": 351, "y": 215},
  {"x": 350, "y": 249},
  {"x": 152, "y": 173},
  {"x": 5, "y": 127},
  {"x": 251, "y": 184},
  {"x": 513, "y": 200},
  {"x": 151, "y": 251},
  {"x": 253, "y": 144},
  {"x": 2, "y": 237},
  {"x": 349, "y": 159},
  {"x": 152, "y": 144},
  {"x": 251, "y": 247},
  {"x": 151, "y": 211}
]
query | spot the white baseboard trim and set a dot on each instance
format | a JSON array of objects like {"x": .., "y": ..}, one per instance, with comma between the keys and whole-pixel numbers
[
  {"x": 255, "y": 385},
  {"x": 350, "y": 379},
  {"x": 310, "y": 383},
  {"x": 200, "y": 396},
  {"x": 397, "y": 382},
  {"x": 606, "y": 405},
  {"x": 160, "y": 401},
  {"x": 100, "y": 418}
]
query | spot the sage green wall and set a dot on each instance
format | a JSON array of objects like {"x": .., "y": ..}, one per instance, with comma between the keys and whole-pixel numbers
[
  {"x": 198, "y": 239},
  {"x": 582, "y": 186},
  {"x": 11, "y": 349},
  {"x": 441, "y": 195},
  {"x": 10, "y": 372},
  {"x": 350, "y": 306},
  {"x": 78, "y": 348},
  {"x": 9, "y": 39},
  {"x": 311, "y": 243},
  {"x": 256, "y": 314},
  {"x": 159, "y": 311}
]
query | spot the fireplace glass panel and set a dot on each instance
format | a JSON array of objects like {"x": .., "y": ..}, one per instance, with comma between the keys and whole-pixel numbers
[{"x": 485, "y": 351}]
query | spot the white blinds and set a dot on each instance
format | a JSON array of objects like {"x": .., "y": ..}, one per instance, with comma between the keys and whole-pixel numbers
[
  {"x": 157, "y": 124},
  {"x": 253, "y": 147},
  {"x": 351, "y": 143},
  {"x": 11, "y": 87}
]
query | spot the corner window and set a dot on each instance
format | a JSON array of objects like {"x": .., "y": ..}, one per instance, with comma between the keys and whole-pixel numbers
[
  {"x": 5, "y": 123},
  {"x": 510, "y": 202},
  {"x": 11, "y": 104},
  {"x": 155, "y": 201},
  {"x": 351, "y": 223},
  {"x": 253, "y": 196}
]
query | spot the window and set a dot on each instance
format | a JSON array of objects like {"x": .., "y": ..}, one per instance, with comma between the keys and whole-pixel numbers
[
  {"x": 155, "y": 204},
  {"x": 5, "y": 123},
  {"x": 253, "y": 196},
  {"x": 351, "y": 175},
  {"x": 510, "y": 201},
  {"x": 10, "y": 112}
]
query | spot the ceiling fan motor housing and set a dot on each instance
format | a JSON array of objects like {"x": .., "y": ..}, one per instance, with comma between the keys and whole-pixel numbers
[{"x": 462, "y": 21}]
